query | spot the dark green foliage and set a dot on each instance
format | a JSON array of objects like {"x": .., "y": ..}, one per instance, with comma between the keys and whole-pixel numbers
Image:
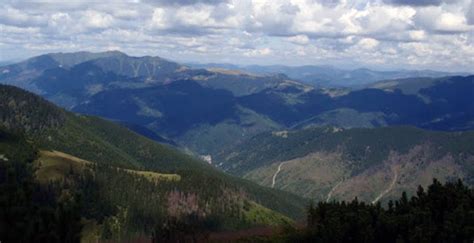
[
  {"x": 444, "y": 213},
  {"x": 124, "y": 204},
  {"x": 23, "y": 112},
  {"x": 30, "y": 212},
  {"x": 361, "y": 147}
]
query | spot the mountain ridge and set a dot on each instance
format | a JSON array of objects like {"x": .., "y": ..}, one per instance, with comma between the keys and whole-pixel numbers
[
  {"x": 203, "y": 110},
  {"x": 331, "y": 76},
  {"x": 111, "y": 146}
]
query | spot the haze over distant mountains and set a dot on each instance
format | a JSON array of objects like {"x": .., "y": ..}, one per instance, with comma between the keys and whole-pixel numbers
[
  {"x": 321, "y": 142},
  {"x": 330, "y": 76},
  {"x": 205, "y": 110},
  {"x": 237, "y": 121}
]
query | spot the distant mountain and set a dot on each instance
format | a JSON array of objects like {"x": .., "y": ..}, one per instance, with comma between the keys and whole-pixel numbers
[
  {"x": 134, "y": 180},
  {"x": 70, "y": 78},
  {"x": 329, "y": 76},
  {"x": 200, "y": 118},
  {"x": 206, "y": 110},
  {"x": 66, "y": 78},
  {"x": 148, "y": 94},
  {"x": 331, "y": 163},
  {"x": 440, "y": 104},
  {"x": 317, "y": 142}
]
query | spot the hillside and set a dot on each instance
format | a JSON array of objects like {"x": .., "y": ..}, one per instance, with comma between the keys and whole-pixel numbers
[
  {"x": 121, "y": 163},
  {"x": 195, "y": 116},
  {"x": 184, "y": 108},
  {"x": 438, "y": 104},
  {"x": 204, "y": 111},
  {"x": 159, "y": 99},
  {"x": 437, "y": 213},
  {"x": 332, "y": 163}
]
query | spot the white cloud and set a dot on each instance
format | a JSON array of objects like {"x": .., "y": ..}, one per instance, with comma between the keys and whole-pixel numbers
[
  {"x": 95, "y": 19},
  {"x": 159, "y": 19},
  {"x": 16, "y": 17},
  {"x": 439, "y": 20},
  {"x": 264, "y": 31},
  {"x": 368, "y": 43},
  {"x": 470, "y": 13},
  {"x": 417, "y": 35},
  {"x": 258, "y": 52},
  {"x": 299, "y": 39}
]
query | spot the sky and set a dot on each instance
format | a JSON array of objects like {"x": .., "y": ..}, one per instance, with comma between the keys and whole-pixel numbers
[{"x": 380, "y": 34}]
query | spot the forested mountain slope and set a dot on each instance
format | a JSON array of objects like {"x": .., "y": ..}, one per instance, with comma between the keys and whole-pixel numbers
[
  {"x": 335, "y": 163},
  {"x": 206, "y": 110},
  {"x": 123, "y": 204}
]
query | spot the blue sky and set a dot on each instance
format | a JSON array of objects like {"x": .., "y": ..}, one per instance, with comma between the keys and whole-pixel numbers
[{"x": 382, "y": 34}]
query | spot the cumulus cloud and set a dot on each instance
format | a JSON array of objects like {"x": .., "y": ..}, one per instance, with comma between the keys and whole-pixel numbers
[
  {"x": 368, "y": 43},
  {"x": 16, "y": 17},
  {"x": 401, "y": 33},
  {"x": 184, "y": 2},
  {"x": 420, "y": 2},
  {"x": 299, "y": 39},
  {"x": 416, "y": 2},
  {"x": 470, "y": 13},
  {"x": 437, "y": 20},
  {"x": 96, "y": 19},
  {"x": 258, "y": 52}
]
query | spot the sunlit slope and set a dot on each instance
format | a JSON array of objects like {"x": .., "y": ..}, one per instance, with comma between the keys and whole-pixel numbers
[
  {"x": 106, "y": 143},
  {"x": 371, "y": 164}
]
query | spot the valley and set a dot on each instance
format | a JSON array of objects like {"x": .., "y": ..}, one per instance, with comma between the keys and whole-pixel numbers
[
  {"x": 130, "y": 135},
  {"x": 269, "y": 121},
  {"x": 122, "y": 176}
]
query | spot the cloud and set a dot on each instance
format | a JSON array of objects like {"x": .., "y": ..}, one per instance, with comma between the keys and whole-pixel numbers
[
  {"x": 16, "y": 17},
  {"x": 435, "y": 19},
  {"x": 258, "y": 52},
  {"x": 95, "y": 19},
  {"x": 368, "y": 43},
  {"x": 419, "y": 3},
  {"x": 299, "y": 39},
  {"x": 470, "y": 14},
  {"x": 184, "y": 2},
  {"x": 416, "y": 2},
  {"x": 400, "y": 33}
]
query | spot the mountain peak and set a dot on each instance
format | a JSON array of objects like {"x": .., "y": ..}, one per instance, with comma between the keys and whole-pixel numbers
[{"x": 114, "y": 53}]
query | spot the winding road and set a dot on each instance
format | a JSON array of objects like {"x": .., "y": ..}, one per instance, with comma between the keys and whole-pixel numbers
[
  {"x": 388, "y": 189},
  {"x": 332, "y": 190},
  {"x": 276, "y": 173}
]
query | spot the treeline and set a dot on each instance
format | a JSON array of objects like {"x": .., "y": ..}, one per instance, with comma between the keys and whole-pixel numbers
[
  {"x": 119, "y": 204},
  {"x": 362, "y": 147},
  {"x": 30, "y": 212},
  {"x": 25, "y": 113},
  {"x": 443, "y": 213},
  {"x": 126, "y": 205}
]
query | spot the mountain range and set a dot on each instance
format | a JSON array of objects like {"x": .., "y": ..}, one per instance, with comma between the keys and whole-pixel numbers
[
  {"x": 205, "y": 110},
  {"x": 330, "y": 76},
  {"x": 152, "y": 145}
]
